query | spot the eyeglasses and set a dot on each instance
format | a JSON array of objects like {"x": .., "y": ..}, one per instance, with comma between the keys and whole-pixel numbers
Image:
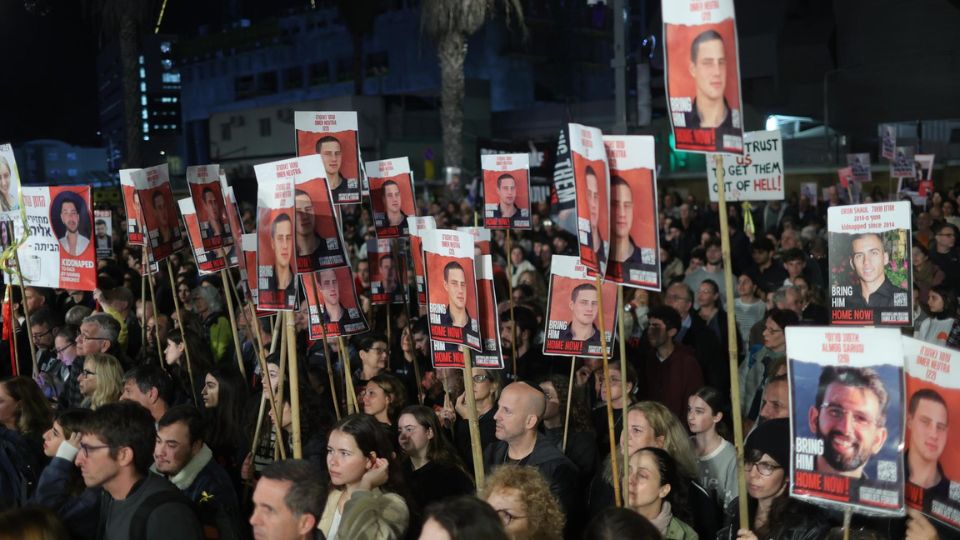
[
  {"x": 38, "y": 336},
  {"x": 378, "y": 350},
  {"x": 87, "y": 448},
  {"x": 506, "y": 517},
  {"x": 65, "y": 347},
  {"x": 480, "y": 378},
  {"x": 765, "y": 468},
  {"x": 87, "y": 373},
  {"x": 675, "y": 297},
  {"x": 82, "y": 337}
]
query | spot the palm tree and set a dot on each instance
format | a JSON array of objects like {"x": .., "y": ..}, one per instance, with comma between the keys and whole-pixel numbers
[{"x": 450, "y": 23}]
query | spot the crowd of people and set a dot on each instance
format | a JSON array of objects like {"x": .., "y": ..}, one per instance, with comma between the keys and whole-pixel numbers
[{"x": 128, "y": 412}]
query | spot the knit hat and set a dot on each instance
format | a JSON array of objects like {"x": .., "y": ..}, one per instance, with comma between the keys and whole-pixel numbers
[{"x": 771, "y": 437}]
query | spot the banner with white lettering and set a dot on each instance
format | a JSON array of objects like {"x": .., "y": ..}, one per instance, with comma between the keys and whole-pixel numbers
[
  {"x": 333, "y": 136},
  {"x": 209, "y": 261},
  {"x": 757, "y": 175},
  {"x": 451, "y": 287},
  {"x": 572, "y": 326},
  {"x": 846, "y": 389},
  {"x": 860, "y": 166},
  {"x": 871, "y": 277},
  {"x": 162, "y": 233}
]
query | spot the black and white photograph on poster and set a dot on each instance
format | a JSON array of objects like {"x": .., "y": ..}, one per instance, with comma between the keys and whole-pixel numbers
[
  {"x": 757, "y": 175},
  {"x": 888, "y": 141},
  {"x": 931, "y": 462},
  {"x": 703, "y": 75},
  {"x": 860, "y": 166},
  {"x": 103, "y": 233},
  {"x": 871, "y": 273},
  {"x": 846, "y": 394},
  {"x": 903, "y": 165}
]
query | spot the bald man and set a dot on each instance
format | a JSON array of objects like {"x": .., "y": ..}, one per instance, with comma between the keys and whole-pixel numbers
[{"x": 521, "y": 408}]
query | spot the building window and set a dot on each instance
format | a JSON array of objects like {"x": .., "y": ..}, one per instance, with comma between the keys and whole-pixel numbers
[
  {"x": 225, "y": 131},
  {"x": 319, "y": 73},
  {"x": 344, "y": 69},
  {"x": 293, "y": 78},
  {"x": 243, "y": 86},
  {"x": 264, "y": 127},
  {"x": 267, "y": 83},
  {"x": 378, "y": 64}
]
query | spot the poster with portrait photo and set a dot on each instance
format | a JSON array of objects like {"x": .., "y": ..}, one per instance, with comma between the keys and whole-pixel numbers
[
  {"x": 276, "y": 260},
  {"x": 573, "y": 310},
  {"x": 319, "y": 241},
  {"x": 234, "y": 253},
  {"x": 931, "y": 462},
  {"x": 159, "y": 212},
  {"x": 386, "y": 263},
  {"x": 846, "y": 394},
  {"x": 392, "y": 197},
  {"x": 860, "y": 165},
  {"x": 491, "y": 357},
  {"x": 209, "y": 261},
  {"x": 871, "y": 275},
  {"x": 334, "y": 137},
  {"x": 506, "y": 191},
  {"x": 481, "y": 239},
  {"x": 451, "y": 287},
  {"x": 103, "y": 233},
  {"x": 59, "y": 251},
  {"x": 248, "y": 272},
  {"x": 635, "y": 241},
  {"x": 903, "y": 164},
  {"x": 332, "y": 303},
  {"x": 209, "y": 203},
  {"x": 888, "y": 141},
  {"x": 418, "y": 226},
  {"x": 702, "y": 71},
  {"x": 9, "y": 184},
  {"x": 592, "y": 176},
  {"x": 131, "y": 204}
]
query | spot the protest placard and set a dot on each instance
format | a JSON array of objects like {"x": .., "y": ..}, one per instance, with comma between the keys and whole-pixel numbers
[
  {"x": 888, "y": 141},
  {"x": 209, "y": 206},
  {"x": 276, "y": 263},
  {"x": 209, "y": 261},
  {"x": 319, "y": 241},
  {"x": 332, "y": 301},
  {"x": 573, "y": 310},
  {"x": 248, "y": 272},
  {"x": 757, "y": 175},
  {"x": 103, "y": 233},
  {"x": 9, "y": 184},
  {"x": 234, "y": 254},
  {"x": 386, "y": 264},
  {"x": 860, "y": 166},
  {"x": 702, "y": 71},
  {"x": 58, "y": 252},
  {"x": 392, "y": 197},
  {"x": 635, "y": 241},
  {"x": 481, "y": 239},
  {"x": 131, "y": 204},
  {"x": 592, "y": 176},
  {"x": 870, "y": 272},
  {"x": 417, "y": 226},
  {"x": 506, "y": 191},
  {"x": 162, "y": 225},
  {"x": 846, "y": 389},
  {"x": 333, "y": 136},
  {"x": 903, "y": 165},
  {"x": 451, "y": 287}
]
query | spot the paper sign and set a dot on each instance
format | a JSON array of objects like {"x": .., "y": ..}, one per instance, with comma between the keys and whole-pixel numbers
[
  {"x": 333, "y": 136},
  {"x": 573, "y": 323},
  {"x": 418, "y": 226},
  {"x": 860, "y": 166},
  {"x": 386, "y": 265},
  {"x": 332, "y": 303},
  {"x": 103, "y": 233},
  {"x": 592, "y": 176},
  {"x": 491, "y": 357},
  {"x": 319, "y": 241},
  {"x": 276, "y": 263},
  {"x": 757, "y": 175},
  {"x": 160, "y": 218},
  {"x": 392, "y": 198},
  {"x": 888, "y": 141},
  {"x": 506, "y": 191},
  {"x": 451, "y": 287},
  {"x": 9, "y": 184},
  {"x": 209, "y": 261}
]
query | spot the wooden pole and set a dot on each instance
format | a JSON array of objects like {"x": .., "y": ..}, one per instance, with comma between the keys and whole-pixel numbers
[
  {"x": 256, "y": 440},
  {"x": 294, "y": 385},
  {"x": 389, "y": 327},
  {"x": 143, "y": 309},
  {"x": 351, "y": 392},
  {"x": 278, "y": 406},
  {"x": 183, "y": 330},
  {"x": 416, "y": 361},
  {"x": 625, "y": 398},
  {"x": 513, "y": 320},
  {"x": 732, "y": 342},
  {"x": 278, "y": 431},
  {"x": 606, "y": 381},
  {"x": 472, "y": 420},
  {"x": 847, "y": 514},
  {"x": 566, "y": 417},
  {"x": 233, "y": 323},
  {"x": 326, "y": 347},
  {"x": 156, "y": 317}
]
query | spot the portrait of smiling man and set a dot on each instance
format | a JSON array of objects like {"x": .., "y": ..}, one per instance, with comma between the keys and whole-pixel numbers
[
  {"x": 72, "y": 242},
  {"x": 872, "y": 289}
]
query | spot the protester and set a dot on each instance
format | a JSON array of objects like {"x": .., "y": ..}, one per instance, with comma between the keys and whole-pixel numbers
[
  {"x": 175, "y": 356},
  {"x": 32, "y": 522},
  {"x": 288, "y": 501},
  {"x": 616, "y": 523},
  {"x": 431, "y": 463},
  {"x": 208, "y": 304},
  {"x": 383, "y": 398},
  {"x": 747, "y": 307},
  {"x": 754, "y": 370},
  {"x": 581, "y": 444},
  {"x": 524, "y": 502},
  {"x": 655, "y": 491},
  {"x": 101, "y": 380},
  {"x": 224, "y": 397},
  {"x": 486, "y": 393},
  {"x": 669, "y": 371},
  {"x": 941, "y": 322},
  {"x": 618, "y": 402},
  {"x": 462, "y": 518},
  {"x": 60, "y": 486},
  {"x": 150, "y": 387},
  {"x": 717, "y": 458}
]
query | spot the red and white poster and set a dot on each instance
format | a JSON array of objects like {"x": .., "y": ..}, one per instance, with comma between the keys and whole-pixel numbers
[
  {"x": 387, "y": 285},
  {"x": 392, "y": 198},
  {"x": 334, "y": 137},
  {"x": 932, "y": 458},
  {"x": 103, "y": 233},
  {"x": 635, "y": 241},
  {"x": 208, "y": 202},
  {"x": 319, "y": 241},
  {"x": 491, "y": 357},
  {"x": 276, "y": 263},
  {"x": 846, "y": 394},
  {"x": 573, "y": 310},
  {"x": 418, "y": 226},
  {"x": 9, "y": 184},
  {"x": 481, "y": 239},
  {"x": 209, "y": 261},
  {"x": 506, "y": 191},
  {"x": 248, "y": 272},
  {"x": 332, "y": 299},
  {"x": 592, "y": 176},
  {"x": 703, "y": 75},
  {"x": 131, "y": 203},
  {"x": 61, "y": 228},
  {"x": 451, "y": 287},
  {"x": 159, "y": 212},
  {"x": 234, "y": 255},
  {"x": 888, "y": 141},
  {"x": 860, "y": 166}
]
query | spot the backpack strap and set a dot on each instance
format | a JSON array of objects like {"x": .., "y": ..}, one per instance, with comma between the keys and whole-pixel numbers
[{"x": 138, "y": 523}]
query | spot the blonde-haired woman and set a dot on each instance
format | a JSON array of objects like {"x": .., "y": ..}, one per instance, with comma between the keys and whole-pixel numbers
[
  {"x": 522, "y": 499},
  {"x": 101, "y": 380}
]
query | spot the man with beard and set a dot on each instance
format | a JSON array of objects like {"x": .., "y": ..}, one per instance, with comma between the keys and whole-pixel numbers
[
  {"x": 849, "y": 415},
  {"x": 72, "y": 242}
]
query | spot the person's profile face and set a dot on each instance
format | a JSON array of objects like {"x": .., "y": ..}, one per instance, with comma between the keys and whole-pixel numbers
[
  {"x": 929, "y": 428},
  {"x": 282, "y": 243},
  {"x": 70, "y": 216},
  {"x": 456, "y": 287},
  {"x": 584, "y": 307},
  {"x": 391, "y": 198},
  {"x": 593, "y": 200},
  {"x": 868, "y": 258},
  {"x": 507, "y": 191},
  {"x": 332, "y": 156},
  {"x": 622, "y": 209},
  {"x": 848, "y": 421},
  {"x": 305, "y": 217},
  {"x": 773, "y": 336},
  {"x": 709, "y": 70},
  {"x": 330, "y": 287}
]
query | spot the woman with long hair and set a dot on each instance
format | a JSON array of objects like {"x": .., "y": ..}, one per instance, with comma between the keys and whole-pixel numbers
[
  {"x": 315, "y": 422},
  {"x": 657, "y": 492},
  {"x": 618, "y": 401},
  {"x": 941, "y": 324},
  {"x": 383, "y": 398},
  {"x": 175, "y": 357},
  {"x": 486, "y": 391},
  {"x": 224, "y": 396},
  {"x": 430, "y": 461},
  {"x": 717, "y": 458},
  {"x": 101, "y": 380},
  {"x": 24, "y": 412},
  {"x": 581, "y": 446},
  {"x": 522, "y": 499},
  {"x": 360, "y": 458},
  {"x": 61, "y": 486}
]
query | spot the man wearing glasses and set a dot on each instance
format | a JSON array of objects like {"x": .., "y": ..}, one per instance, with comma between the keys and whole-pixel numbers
[
  {"x": 944, "y": 253},
  {"x": 849, "y": 416},
  {"x": 98, "y": 333},
  {"x": 116, "y": 451}
]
